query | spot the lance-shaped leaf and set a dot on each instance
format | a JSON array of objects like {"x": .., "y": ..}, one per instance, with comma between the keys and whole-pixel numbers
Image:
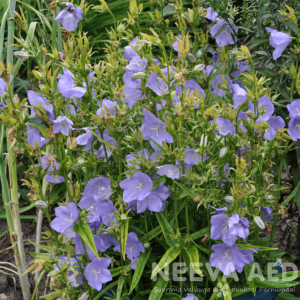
[
  {"x": 159, "y": 288},
  {"x": 120, "y": 286},
  {"x": 167, "y": 229},
  {"x": 139, "y": 268},
  {"x": 168, "y": 257},
  {"x": 124, "y": 236},
  {"x": 84, "y": 231},
  {"x": 193, "y": 254},
  {"x": 225, "y": 288}
]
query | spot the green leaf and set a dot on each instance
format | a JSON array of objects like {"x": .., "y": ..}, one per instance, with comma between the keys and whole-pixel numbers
[
  {"x": 193, "y": 254},
  {"x": 109, "y": 287},
  {"x": 166, "y": 229},
  {"x": 124, "y": 236},
  {"x": 170, "y": 296},
  {"x": 139, "y": 268},
  {"x": 117, "y": 271},
  {"x": 152, "y": 234},
  {"x": 286, "y": 296},
  {"x": 274, "y": 284},
  {"x": 188, "y": 191},
  {"x": 84, "y": 231},
  {"x": 159, "y": 288},
  {"x": 251, "y": 283},
  {"x": 120, "y": 286},
  {"x": 45, "y": 248},
  {"x": 53, "y": 295},
  {"x": 168, "y": 257},
  {"x": 224, "y": 286},
  {"x": 292, "y": 195},
  {"x": 198, "y": 234},
  {"x": 169, "y": 10}
]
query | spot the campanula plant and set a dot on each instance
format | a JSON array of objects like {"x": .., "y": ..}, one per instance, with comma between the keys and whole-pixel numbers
[{"x": 169, "y": 157}]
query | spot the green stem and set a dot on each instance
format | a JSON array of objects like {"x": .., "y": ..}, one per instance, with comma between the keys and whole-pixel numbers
[
  {"x": 146, "y": 226},
  {"x": 4, "y": 185},
  {"x": 38, "y": 284}
]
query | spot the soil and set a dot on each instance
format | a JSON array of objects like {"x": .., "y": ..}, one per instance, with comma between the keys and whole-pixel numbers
[{"x": 10, "y": 288}]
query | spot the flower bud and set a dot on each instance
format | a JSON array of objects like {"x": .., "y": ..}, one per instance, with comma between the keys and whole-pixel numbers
[
  {"x": 223, "y": 152},
  {"x": 40, "y": 204},
  {"x": 199, "y": 67},
  {"x": 191, "y": 58},
  {"x": 21, "y": 54},
  {"x": 259, "y": 222},
  {"x": 203, "y": 140},
  {"x": 250, "y": 114},
  {"x": 138, "y": 75},
  {"x": 229, "y": 199}
]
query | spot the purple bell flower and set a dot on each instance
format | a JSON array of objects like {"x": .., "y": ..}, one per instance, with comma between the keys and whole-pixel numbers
[
  {"x": 66, "y": 86},
  {"x": 107, "y": 138},
  {"x": 247, "y": 258},
  {"x": 102, "y": 243},
  {"x": 211, "y": 15},
  {"x": 238, "y": 226},
  {"x": 99, "y": 188},
  {"x": 220, "y": 229},
  {"x": 131, "y": 156},
  {"x": 154, "y": 128},
  {"x": 3, "y": 87},
  {"x": 239, "y": 68},
  {"x": 53, "y": 177},
  {"x": 157, "y": 84},
  {"x": 37, "y": 100},
  {"x": 239, "y": 95},
  {"x": 86, "y": 139},
  {"x": 190, "y": 297},
  {"x": 97, "y": 273},
  {"x": 227, "y": 258},
  {"x": 66, "y": 216},
  {"x": 133, "y": 248},
  {"x": 294, "y": 108},
  {"x": 224, "y": 126},
  {"x": 133, "y": 89},
  {"x": 155, "y": 202},
  {"x": 190, "y": 86},
  {"x": 137, "y": 64},
  {"x": 217, "y": 85},
  {"x": 192, "y": 157},
  {"x": 34, "y": 137},
  {"x": 294, "y": 128},
  {"x": 62, "y": 125},
  {"x": 107, "y": 213},
  {"x": 129, "y": 53},
  {"x": 225, "y": 37},
  {"x": 137, "y": 187},
  {"x": 266, "y": 211},
  {"x": 208, "y": 69},
  {"x": 266, "y": 104},
  {"x": 279, "y": 41},
  {"x": 170, "y": 171},
  {"x": 69, "y": 16},
  {"x": 275, "y": 124},
  {"x": 106, "y": 107},
  {"x": 74, "y": 280}
]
